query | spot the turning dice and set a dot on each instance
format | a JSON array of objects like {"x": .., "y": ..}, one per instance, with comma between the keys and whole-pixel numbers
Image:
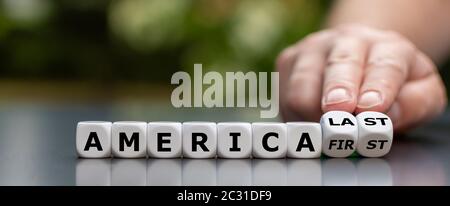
[
  {"x": 234, "y": 140},
  {"x": 129, "y": 139},
  {"x": 199, "y": 139},
  {"x": 304, "y": 140},
  {"x": 269, "y": 140},
  {"x": 164, "y": 139},
  {"x": 339, "y": 133},
  {"x": 93, "y": 139},
  {"x": 375, "y": 134}
]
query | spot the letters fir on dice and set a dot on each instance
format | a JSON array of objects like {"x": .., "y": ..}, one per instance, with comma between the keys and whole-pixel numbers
[{"x": 339, "y": 133}]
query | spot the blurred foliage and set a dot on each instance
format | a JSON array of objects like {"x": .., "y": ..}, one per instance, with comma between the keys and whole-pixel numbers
[{"x": 147, "y": 40}]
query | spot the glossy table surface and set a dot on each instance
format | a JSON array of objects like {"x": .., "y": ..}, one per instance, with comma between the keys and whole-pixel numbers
[{"x": 37, "y": 147}]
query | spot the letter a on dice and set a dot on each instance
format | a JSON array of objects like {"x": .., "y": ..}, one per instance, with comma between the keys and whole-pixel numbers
[
  {"x": 93, "y": 139},
  {"x": 304, "y": 139}
]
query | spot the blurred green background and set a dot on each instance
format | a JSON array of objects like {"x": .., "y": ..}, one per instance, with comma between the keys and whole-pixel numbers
[{"x": 147, "y": 40}]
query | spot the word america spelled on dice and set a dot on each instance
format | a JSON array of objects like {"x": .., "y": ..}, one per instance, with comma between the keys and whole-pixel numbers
[{"x": 339, "y": 134}]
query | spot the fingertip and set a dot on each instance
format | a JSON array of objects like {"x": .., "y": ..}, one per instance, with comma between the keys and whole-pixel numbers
[
  {"x": 348, "y": 106},
  {"x": 339, "y": 99},
  {"x": 371, "y": 100},
  {"x": 344, "y": 106},
  {"x": 373, "y": 109}
]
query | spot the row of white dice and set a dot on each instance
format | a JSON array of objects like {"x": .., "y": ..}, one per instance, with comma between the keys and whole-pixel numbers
[{"x": 339, "y": 134}]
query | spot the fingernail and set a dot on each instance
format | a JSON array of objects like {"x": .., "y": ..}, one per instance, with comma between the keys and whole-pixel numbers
[
  {"x": 394, "y": 112},
  {"x": 369, "y": 99},
  {"x": 337, "y": 95}
]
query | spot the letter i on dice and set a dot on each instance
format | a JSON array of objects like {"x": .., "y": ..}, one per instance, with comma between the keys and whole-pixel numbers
[{"x": 234, "y": 140}]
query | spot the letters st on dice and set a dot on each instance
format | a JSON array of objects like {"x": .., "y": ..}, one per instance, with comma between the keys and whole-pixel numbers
[
  {"x": 370, "y": 134},
  {"x": 339, "y": 134},
  {"x": 375, "y": 134}
]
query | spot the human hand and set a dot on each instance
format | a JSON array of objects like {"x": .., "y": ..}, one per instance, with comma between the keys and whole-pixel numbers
[{"x": 355, "y": 68}]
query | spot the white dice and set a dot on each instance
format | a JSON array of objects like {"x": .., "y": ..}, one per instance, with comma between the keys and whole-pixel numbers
[
  {"x": 199, "y": 139},
  {"x": 129, "y": 139},
  {"x": 375, "y": 134},
  {"x": 304, "y": 140},
  {"x": 234, "y": 140},
  {"x": 339, "y": 133},
  {"x": 269, "y": 140},
  {"x": 93, "y": 139},
  {"x": 164, "y": 139}
]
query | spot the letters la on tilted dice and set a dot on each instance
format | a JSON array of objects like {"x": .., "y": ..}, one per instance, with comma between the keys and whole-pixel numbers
[{"x": 339, "y": 134}]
